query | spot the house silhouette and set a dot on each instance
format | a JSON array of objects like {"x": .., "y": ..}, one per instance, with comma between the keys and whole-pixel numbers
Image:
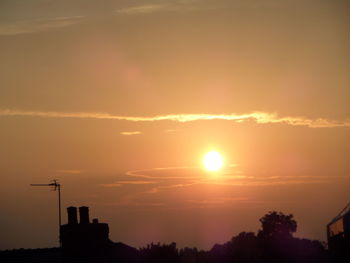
[
  {"x": 79, "y": 237},
  {"x": 338, "y": 234},
  {"x": 86, "y": 241}
]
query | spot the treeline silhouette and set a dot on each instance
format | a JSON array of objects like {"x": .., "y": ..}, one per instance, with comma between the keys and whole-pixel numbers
[{"x": 274, "y": 242}]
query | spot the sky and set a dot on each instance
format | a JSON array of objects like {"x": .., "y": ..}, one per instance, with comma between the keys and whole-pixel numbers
[{"x": 121, "y": 99}]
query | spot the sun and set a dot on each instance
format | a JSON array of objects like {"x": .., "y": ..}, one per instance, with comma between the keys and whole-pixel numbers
[{"x": 213, "y": 161}]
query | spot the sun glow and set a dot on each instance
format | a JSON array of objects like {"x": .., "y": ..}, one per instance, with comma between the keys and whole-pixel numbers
[{"x": 213, "y": 161}]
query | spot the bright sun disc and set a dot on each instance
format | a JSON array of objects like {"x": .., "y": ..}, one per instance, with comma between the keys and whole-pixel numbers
[{"x": 213, "y": 161}]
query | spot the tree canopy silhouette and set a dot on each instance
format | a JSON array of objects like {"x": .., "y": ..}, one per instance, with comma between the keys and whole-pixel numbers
[{"x": 277, "y": 225}]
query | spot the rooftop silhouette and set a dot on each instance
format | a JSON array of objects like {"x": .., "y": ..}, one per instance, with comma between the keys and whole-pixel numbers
[
  {"x": 338, "y": 234},
  {"x": 85, "y": 241}
]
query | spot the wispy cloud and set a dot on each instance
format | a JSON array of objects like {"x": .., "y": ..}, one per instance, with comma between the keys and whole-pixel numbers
[
  {"x": 144, "y": 9},
  {"x": 219, "y": 200},
  {"x": 121, "y": 183},
  {"x": 150, "y": 173},
  {"x": 181, "y": 187},
  {"x": 229, "y": 177},
  {"x": 129, "y": 133},
  {"x": 165, "y": 179},
  {"x": 37, "y": 25},
  {"x": 133, "y": 203},
  {"x": 178, "y": 5},
  {"x": 258, "y": 117}
]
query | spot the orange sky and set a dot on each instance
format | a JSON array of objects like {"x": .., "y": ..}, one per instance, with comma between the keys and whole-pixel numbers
[{"x": 121, "y": 100}]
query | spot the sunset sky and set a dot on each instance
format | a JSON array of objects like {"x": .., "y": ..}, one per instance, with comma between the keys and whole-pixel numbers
[{"x": 121, "y": 99}]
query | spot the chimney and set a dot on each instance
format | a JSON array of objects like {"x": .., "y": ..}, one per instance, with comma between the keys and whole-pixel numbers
[
  {"x": 72, "y": 215},
  {"x": 84, "y": 215}
]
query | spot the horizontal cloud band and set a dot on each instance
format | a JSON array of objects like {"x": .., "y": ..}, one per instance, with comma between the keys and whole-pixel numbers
[{"x": 258, "y": 117}]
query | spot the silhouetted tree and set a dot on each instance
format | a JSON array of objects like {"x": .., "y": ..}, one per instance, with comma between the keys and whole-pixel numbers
[
  {"x": 188, "y": 255},
  {"x": 245, "y": 248},
  {"x": 221, "y": 253},
  {"x": 157, "y": 253},
  {"x": 277, "y": 225}
]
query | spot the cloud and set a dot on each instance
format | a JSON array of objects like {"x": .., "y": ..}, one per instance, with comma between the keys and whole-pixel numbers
[
  {"x": 27, "y": 26},
  {"x": 144, "y": 9},
  {"x": 219, "y": 200},
  {"x": 133, "y": 203},
  {"x": 191, "y": 187},
  {"x": 37, "y": 25},
  {"x": 156, "y": 173},
  {"x": 129, "y": 133},
  {"x": 257, "y": 117},
  {"x": 168, "y": 178},
  {"x": 231, "y": 176},
  {"x": 121, "y": 183},
  {"x": 179, "y": 5}
]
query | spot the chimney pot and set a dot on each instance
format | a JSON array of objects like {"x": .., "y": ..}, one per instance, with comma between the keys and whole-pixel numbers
[
  {"x": 84, "y": 215},
  {"x": 72, "y": 215}
]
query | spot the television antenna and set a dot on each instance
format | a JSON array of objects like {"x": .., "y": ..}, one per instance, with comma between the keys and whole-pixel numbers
[{"x": 55, "y": 186}]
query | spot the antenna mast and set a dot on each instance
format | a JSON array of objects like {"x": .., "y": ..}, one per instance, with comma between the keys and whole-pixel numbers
[{"x": 55, "y": 186}]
